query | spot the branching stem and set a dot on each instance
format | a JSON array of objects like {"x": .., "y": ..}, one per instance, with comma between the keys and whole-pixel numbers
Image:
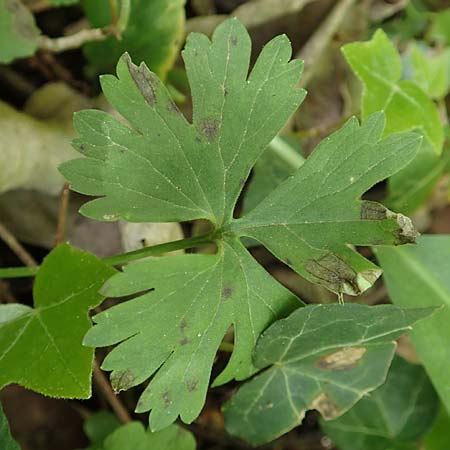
[{"x": 123, "y": 258}]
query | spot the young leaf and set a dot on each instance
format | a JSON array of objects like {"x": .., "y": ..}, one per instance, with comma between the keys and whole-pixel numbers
[
  {"x": 18, "y": 31},
  {"x": 431, "y": 71},
  {"x": 8, "y": 443},
  {"x": 105, "y": 433},
  {"x": 395, "y": 415},
  {"x": 154, "y": 33},
  {"x": 323, "y": 357},
  {"x": 40, "y": 347},
  {"x": 417, "y": 276},
  {"x": 166, "y": 169},
  {"x": 440, "y": 27},
  {"x": 98, "y": 427},
  {"x": 378, "y": 65},
  {"x": 133, "y": 436}
]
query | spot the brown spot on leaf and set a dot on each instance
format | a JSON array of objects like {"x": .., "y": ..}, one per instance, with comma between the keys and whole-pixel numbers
[
  {"x": 183, "y": 325},
  {"x": 145, "y": 80},
  {"x": 122, "y": 380},
  {"x": 344, "y": 359},
  {"x": 210, "y": 128},
  {"x": 325, "y": 406},
  {"x": 191, "y": 384},
  {"x": 227, "y": 291},
  {"x": 184, "y": 340},
  {"x": 233, "y": 40},
  {"x": 166, "y": 399},
  {"x": 373, "y": 211},
  {"x": 334, "y": 272},
  {"x": 172, "y": 107}
]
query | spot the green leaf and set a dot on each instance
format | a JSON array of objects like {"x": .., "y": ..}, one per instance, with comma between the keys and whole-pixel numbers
[
  {"x": 440, "y": 27},
  {"x": 133, "y": 436},
  {"x": 196, "y": 299},
  {"x": 393, "y": 417},
  {"x": 40, "y": 347},
  {"x": 184, "y": 171},
  {"x": 309, "y": 220},
  {"x": 439, "y": 435},
  {"x": 431, "y": 71},
  {"x": 417, "y": 276},
  {"x": 63, "y": 2},
  {"x": 378, "y": 65},
  {"x": 411, "y": 187},
  {"x": 323, "y": 357},
  {"x": 153, "y": 35},
  {"x": 7, "y": 441},
  {"x": 18, "y": 31},
  {"x": 98, "y": 427},
  {"x": 167, "y": 169}
]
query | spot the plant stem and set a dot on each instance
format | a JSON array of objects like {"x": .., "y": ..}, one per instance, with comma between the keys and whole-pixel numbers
[
  {"x": 16, "y": 247},
  {"x": 62, "y": 214},
  {"x": 76, "y": 40},
  {"x": 314, "y": 49},
  {"x": 105, "y": 388},
  {"x": 123, "y": 258}
]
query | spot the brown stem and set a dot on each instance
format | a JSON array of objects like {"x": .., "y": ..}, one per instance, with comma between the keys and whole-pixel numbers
[
  {"x": 105, "y": 388},
  {"x": 16, "y": 247},
  {"x": 62, "y": 214}
]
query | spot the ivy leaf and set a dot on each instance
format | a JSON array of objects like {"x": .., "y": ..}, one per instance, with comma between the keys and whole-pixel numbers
[
  {"x": 167, "y": 169},
  {"x": 40, "y": 347},
  {"x": 395, "y": 415},
  {"x": 154, "y": 33},
  {"x": 7, "y": 441},
  {"x": 18, "y": 31},
  {"x": 378, "y": 65},
  {"x": 323, "y": 357},
  {"x": 417, "y": 276}
]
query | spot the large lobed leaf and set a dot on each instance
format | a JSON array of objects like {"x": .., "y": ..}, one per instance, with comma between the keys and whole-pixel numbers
[
  {"x": 167, "y": 169},
  {"x": 309, "y": 220},
  {"x": 323, "y": 357},
  {"x": 196, "y": 299},
  {"x": 40, "y": 347}
]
